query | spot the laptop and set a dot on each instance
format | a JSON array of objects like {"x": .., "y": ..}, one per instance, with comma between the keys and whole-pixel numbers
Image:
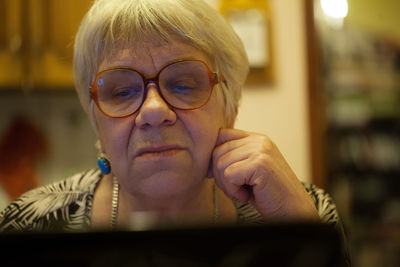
[{"x": 283, "y": 244}]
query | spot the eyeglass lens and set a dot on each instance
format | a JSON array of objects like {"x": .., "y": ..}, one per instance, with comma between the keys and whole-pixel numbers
[{"x": 183, "y": 85}]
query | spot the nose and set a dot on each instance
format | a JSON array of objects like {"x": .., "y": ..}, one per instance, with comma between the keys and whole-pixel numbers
[{"x": 154, "y": 111}]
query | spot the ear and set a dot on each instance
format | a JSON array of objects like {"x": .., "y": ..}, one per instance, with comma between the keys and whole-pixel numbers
[
  {"x": 93, "y": 122},
  {"x": 98, "y": 146}
]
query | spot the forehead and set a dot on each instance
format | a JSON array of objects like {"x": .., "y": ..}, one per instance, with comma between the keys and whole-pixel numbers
[{"x": 150, "y": 57}]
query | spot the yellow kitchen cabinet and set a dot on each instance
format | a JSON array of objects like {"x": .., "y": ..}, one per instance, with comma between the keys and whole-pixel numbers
[
  {"x": 36, "y": 42},
  {"x": 10, "y": 43}
]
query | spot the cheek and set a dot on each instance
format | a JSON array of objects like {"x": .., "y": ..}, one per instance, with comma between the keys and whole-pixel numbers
[
  {"x": 113, "y": 134},
  {"x": 204, "y": 127}
]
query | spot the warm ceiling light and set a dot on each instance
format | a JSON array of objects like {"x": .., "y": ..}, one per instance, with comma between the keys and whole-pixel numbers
[{"x": 335, "y": 8}]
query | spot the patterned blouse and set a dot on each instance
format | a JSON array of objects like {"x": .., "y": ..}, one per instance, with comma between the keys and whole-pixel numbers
[{"x": 67, "y": 205}]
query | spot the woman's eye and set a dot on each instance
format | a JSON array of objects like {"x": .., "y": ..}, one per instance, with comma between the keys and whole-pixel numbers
[
  {"x": 127, "y": 92},
  {"x": 123, "y": 93},
  {"x": 182, "y": 87}
]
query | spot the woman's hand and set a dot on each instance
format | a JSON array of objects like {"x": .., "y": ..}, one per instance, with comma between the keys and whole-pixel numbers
[{"x": 249, "y": 167}]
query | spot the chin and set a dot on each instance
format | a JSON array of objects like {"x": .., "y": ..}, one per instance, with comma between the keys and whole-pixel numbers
[{"x": 167, "y": 184}]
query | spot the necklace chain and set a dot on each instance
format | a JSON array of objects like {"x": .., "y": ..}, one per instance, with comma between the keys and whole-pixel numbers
[
  {"x": 114, "y": 203},
  {"x": 115, "y": 200}
]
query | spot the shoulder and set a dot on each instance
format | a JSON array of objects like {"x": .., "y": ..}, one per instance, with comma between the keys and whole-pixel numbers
[
  {"x": 326, "y": 208},
  {"x": 323, "y": 202},
  {"x": 42, "y": 208}
]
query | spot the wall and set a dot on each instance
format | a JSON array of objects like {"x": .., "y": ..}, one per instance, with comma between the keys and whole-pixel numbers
[
  {"x": 377, "y": 17},
  {"x": 280, "y": 110}
]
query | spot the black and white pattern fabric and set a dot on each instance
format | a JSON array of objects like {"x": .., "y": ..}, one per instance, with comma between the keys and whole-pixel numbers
[{"x": 66, "y": 206}]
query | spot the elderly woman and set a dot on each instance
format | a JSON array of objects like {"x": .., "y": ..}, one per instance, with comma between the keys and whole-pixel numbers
[{"x": 161, "y": 82}]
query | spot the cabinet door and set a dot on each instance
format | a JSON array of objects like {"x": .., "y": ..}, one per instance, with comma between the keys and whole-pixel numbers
[
  {"x": 11, "y": 56},
  {"x": 36, "y": 42},
  {"x": 53, "y": 25}
]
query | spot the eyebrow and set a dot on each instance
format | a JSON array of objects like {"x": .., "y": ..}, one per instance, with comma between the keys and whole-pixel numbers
[{"x": 185, "y": 58}]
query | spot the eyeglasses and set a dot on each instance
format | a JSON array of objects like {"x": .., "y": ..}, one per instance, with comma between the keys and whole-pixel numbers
[{"x": 185, "y": 85}]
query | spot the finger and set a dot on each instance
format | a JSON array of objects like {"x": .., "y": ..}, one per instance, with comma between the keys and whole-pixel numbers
[
  {"x": 229, "y": 188},
  {"x": 233, "y": 191},
  {"x": 223, "y": 148},
  {"x": 226, "y": 135},
  {"x": 223, "y": 157},
  {"x": 240, "y": 173},
  {"x": 253, "y": 174},
  {"x": 234, "y": 180},
  {"x": 246, "y": 138},
  {"x": 227, "y": 147},
  {"x": 243, "y": 194},
  {"x": 240, "y": 138}
]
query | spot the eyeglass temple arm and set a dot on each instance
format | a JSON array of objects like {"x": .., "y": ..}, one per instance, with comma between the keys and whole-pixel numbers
[{"x": 216, "y": 77}]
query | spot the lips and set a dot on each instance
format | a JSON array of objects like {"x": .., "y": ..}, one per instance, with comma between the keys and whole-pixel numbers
[{"x": 156, "y": 150}]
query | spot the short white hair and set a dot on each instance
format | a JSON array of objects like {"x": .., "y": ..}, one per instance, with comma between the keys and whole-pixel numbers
[{"x": 116, "y": 24}]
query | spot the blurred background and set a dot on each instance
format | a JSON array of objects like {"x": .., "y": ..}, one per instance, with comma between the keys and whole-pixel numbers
[{"x": 324, "y": 85}]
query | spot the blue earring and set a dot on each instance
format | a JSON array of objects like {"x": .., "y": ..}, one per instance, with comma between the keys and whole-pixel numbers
[{"x": 104, "y": 164}]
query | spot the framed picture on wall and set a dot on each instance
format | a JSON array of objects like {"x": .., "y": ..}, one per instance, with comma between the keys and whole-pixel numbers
[{"x": 251, "y": 19}]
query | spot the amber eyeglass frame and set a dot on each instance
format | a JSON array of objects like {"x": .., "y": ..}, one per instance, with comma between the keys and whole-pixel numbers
[{"x": 213, "y": 80}]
